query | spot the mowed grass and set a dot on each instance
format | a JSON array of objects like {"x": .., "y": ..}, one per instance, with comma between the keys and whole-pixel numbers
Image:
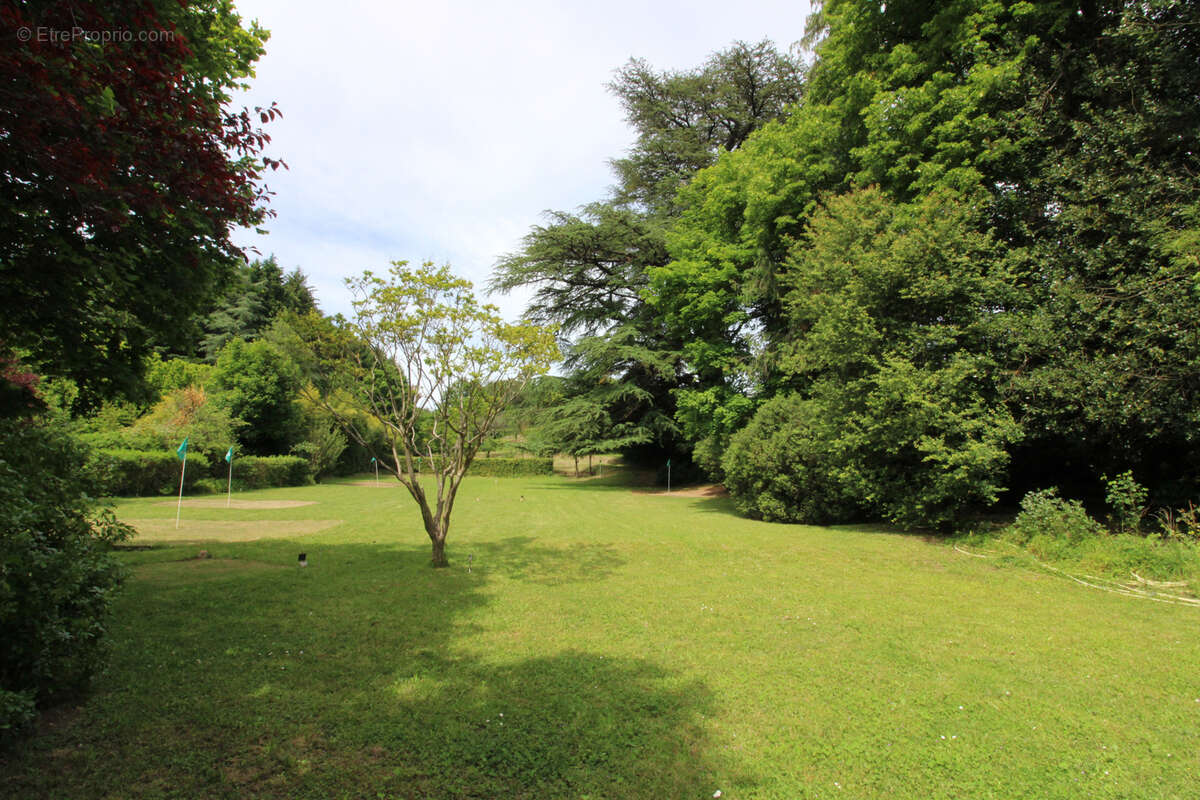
[{"x": 606, "y": 643}]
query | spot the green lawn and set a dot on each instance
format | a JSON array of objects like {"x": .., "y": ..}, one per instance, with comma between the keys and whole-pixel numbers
[{"x": 609, "y": 644}]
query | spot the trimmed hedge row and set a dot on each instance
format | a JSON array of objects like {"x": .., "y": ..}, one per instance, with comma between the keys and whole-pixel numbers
[
  {"x": 134, "y": 473},
  {"x": 511, "y": 467},
  {"x": 265, "y": 472},
  {"x": 502, "y": 467},
  {"x": 137, "y": 473}
]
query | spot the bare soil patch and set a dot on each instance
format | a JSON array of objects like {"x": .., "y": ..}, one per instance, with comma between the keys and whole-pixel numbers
[
  {"x": 209, "y": 530},
  {"x": 713, "y": 490},
  {"x": 214, "y": 503}
]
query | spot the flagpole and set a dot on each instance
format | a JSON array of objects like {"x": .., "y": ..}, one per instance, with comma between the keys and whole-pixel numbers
[
  {"x": 179, "y": 505},
  {"x": 182, "y": 453}
]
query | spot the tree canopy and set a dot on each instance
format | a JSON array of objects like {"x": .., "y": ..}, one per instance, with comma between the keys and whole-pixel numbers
[
  {"x": 590, "y": 270},
  {"x": 123, "y": 174},
  {"x": 964, "y": 238},
  {"x": 436, "y": 369},
  {"x": 1058, "y": 141}
]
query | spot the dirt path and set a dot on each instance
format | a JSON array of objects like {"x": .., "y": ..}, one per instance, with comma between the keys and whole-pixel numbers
[{"x": 712, "y": 490}]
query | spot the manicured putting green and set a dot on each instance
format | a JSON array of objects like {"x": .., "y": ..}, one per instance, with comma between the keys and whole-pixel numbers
[{"x": 164, "y": 531}]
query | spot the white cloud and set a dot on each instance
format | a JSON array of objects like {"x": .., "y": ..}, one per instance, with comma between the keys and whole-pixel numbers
[{"x": 443, "y": 131}]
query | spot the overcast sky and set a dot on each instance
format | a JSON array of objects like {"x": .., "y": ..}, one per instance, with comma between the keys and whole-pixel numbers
[{"x": 443, "y": 131}]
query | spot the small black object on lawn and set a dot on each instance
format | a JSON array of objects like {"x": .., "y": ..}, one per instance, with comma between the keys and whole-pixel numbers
[{"x": 304, "y": 559}]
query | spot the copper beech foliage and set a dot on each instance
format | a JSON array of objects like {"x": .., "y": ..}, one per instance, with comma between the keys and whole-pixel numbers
[{"x": 123, "y": 173}]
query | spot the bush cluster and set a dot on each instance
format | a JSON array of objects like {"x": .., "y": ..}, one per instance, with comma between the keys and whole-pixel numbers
[
  {"x": 135, "y": 473},
  {"x": 500, "y": 467},
  {"x": 1045, "y": 516},
  {"x": 1057, "y": 529},
  {"x": 264, "y": 472},
  {"x": 138, "y": 473},
  {"x": 57, "y": 577},
  {"x": 785, "y": 466}
]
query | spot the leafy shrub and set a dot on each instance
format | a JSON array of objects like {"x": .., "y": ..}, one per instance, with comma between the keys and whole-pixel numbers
[
  {"x": 264, "y": 472},
  {"x": 168, "y": 375},
  {"x": 189, "y": 412},
  {"x": 1127, "y": 499},
  {"x": 210, "y": 486},
  {"x": 1048, "y": 522},
  {"x": 1059, "y": 530},
  {"x": 136, "y": 473},
  {"x": 499, "y": 467},
  {"x": 904, "y": 444},
  {"x": 786, "y": 466},
  {"x": 56, "y": 576},
  {"x": 1183, "y": 523},
  {"x": 258, "y": 384},
  {"x": 323, "y": 447},
  {"x": 121, "y": 439}
]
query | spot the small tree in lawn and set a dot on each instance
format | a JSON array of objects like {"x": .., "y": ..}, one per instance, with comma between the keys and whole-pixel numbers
[{"x": 436, "y": 368}]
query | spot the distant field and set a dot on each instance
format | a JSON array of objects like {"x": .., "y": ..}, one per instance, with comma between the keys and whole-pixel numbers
[{"x": 592, "y": 641}]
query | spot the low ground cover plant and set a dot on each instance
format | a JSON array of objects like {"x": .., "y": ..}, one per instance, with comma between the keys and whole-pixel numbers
[{"x": 1060, "y": 531}]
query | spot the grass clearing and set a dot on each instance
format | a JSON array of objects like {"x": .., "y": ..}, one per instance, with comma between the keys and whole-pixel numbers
[{"x": 606, "y": 643}]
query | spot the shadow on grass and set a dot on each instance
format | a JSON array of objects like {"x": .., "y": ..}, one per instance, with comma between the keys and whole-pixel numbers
[
  {"x": 521, "y": 558},
  {"x": 569, "y": 725},
  {"x": 354, "y": 678},
  {"x": 725, "y": 506}
]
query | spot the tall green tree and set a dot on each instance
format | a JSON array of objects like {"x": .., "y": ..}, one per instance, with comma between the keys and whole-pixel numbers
[
  {"x": 1067, "y": 126},
  {"x": 685, "y": 119},
  {"x": 255, "y": 295},
  {"x": 260, "y": 386},
  {"x": 590, "y": 269},
  {"x": 895, "y": 360},
  {"x": 123, "y": 173}
]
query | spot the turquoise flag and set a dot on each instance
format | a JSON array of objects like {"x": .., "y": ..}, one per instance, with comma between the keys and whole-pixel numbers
[
  {"x": 229, "y": 456},
  {"x": 182, "y": 451}
]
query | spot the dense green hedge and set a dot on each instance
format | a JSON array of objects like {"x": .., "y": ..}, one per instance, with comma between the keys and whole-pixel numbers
[
  {"x": 265, "y": 472},
  {"x": 511, "y": 467},
  {"x": 139, "y": 473},
  {"x": 502, "y": 467}
]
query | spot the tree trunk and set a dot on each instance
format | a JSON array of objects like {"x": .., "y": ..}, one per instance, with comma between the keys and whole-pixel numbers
[
  {"x": 576, "y": 465},
  {"x": 439, "y": 552},
  {"x": 591, "y": 471}
]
